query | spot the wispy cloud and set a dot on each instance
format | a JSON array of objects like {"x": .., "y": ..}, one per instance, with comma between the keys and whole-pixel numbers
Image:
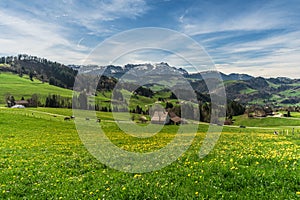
[
  {"x": 229, "y": 17},
  {"x": 21, "y": 35},
  {"x": 261, "y": 39},
  {"x": 57, "y": 29}
]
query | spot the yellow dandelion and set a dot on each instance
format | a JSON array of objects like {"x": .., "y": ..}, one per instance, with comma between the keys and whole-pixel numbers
[
  {"x": 123, "y": 188},
  {"x": 298, "y": 193},
  {"x": 196, "y": 193},
  {"x": 107, "y": 189},
  {"x": 137, "y": 175}
]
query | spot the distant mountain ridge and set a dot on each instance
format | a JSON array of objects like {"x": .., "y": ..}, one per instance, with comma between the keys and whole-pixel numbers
[
  {"x": 244, "y": 88},
  {"x": 247, "y": 89},
  {"x": 118, "y": 71}
]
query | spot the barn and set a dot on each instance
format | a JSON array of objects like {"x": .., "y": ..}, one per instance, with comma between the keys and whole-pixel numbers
[
  {"x": 164, "y": 117},
  {"x": 160, "y": 117}
]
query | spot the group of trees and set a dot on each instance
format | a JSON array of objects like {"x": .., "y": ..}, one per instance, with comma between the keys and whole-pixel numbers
[
  {"x": 57, "y": 101},
  {"x": 45, "y": 70},
  {"x": 33, "y": 101}
]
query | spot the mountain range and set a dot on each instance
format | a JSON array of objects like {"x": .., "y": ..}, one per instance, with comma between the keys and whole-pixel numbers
[{"x": 280, "y": 91}]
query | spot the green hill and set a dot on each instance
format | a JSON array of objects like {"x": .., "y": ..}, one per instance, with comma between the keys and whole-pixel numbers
[
  {"x": 20, "y": 87},
  {"x": 266, "y": 121}
]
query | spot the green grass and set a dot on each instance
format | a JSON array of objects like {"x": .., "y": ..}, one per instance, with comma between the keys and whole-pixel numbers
[
  {"x": 42, "y": 157},
  {"x": 23, "y": 87},
  {"x": 265, "y": 122},
  {"x": 291, "y": 93},
  {"x": 295, "y": 114},
  {"x": 248, "y": 91}
]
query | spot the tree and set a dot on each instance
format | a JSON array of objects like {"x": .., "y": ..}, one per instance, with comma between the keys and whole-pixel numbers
[
  {"x": 82, "y": 99},
  {"x": 169, "y": 105},
  {"x": 10, "y": 100},
  {"x": 34, "y": 100},
  {"x": 234, "y": 108},
  {"x": 31, "y": 75},
  {"x": 52, "y": 81},
  {"x": 205, "y": 112}
]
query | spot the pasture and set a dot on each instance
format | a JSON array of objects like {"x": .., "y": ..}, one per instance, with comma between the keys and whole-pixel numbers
[
  {"x": 23, "y": 87},
  {"x": 42, "y": 157}
]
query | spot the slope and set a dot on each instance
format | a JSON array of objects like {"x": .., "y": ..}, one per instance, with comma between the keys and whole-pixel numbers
[{"x": 12, "y": 84}]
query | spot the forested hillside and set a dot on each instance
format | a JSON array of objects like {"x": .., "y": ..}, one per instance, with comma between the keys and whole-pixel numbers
[{"x": 45, "y": 70}]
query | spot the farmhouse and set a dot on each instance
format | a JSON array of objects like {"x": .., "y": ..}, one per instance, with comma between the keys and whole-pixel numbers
[
  {"x": 160, "y": 117},
  {"x": 22, "y": 102},
  {"x": 19, "y": 103},
  {"x": 174, "y": 119},
  {"x": 164, "y": 117},
  {"x": 260, "y": 111}
]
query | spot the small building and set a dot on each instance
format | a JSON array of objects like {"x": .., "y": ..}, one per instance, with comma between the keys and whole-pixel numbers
[
  {"x": 263, "y": 111},
  {"x": 22, "y": 102},
  {"x": 259, "y": 112},
  {"x": 164, "y": 117},
  {"x": 160, "y": 117},
  {"x": 174, "y": 119}
]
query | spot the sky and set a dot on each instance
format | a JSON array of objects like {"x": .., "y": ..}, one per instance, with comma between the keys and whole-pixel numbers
[{"x": 256, "y": 37}]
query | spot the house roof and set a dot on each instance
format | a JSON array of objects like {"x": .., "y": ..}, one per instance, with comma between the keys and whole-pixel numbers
[
  {"x": 159, "y": 116},
  {"x": 21, "y": 102},
  {"x": 176, "y": 119}
]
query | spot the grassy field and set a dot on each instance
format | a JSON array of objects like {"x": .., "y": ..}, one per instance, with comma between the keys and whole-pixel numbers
[
  {"x": 266, "y": 121},
  {"x": 43, "y": 158},
  {"x": 20, "y": 87},
  {"x": 24, "y": 87}
]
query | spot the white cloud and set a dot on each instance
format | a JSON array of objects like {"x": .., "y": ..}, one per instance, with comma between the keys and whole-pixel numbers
[
  {"x": 53, "y": 29},
  {"x": 272, "y": 56},
  {"x": 232, "y": 42},
  {"x": 219, "y": 18},
  {"x": 22, "y": 35}
]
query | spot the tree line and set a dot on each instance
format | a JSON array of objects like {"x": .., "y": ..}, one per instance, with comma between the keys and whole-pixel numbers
[{"x": 40, "y": 68}]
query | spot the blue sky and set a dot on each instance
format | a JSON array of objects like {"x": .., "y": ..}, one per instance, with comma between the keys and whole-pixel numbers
[{"x": 261, "y": 38}]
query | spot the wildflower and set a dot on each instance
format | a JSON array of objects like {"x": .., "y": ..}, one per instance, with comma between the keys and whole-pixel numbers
[
  {"x": 196, "y": 193},
  {"x": 137, "y": 175},
  {"x": 298, "y": 193}
]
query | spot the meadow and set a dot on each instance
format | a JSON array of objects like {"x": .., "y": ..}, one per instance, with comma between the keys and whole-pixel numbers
[
  {"x": 23, "y": 87},
  {"x": 275, "y": 122},
  {"x": 42, "y": 157}
]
